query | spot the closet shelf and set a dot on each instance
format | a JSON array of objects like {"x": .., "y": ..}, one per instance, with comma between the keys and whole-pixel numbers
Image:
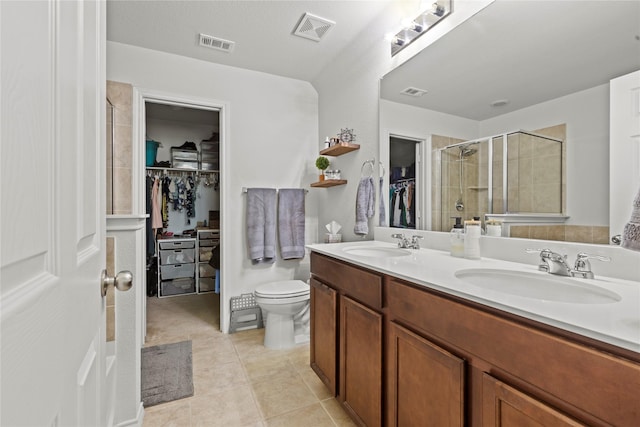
[
  {"x": 329, "y": 183},
  {"x": 157, "y": 168},
  {"x": 339, "y": 149}
]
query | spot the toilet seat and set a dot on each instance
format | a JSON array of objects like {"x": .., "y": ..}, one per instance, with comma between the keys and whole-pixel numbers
[{"x": 283, "y": 289}]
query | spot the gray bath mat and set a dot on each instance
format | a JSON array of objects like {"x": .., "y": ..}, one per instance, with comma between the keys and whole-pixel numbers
[{"x": 167, "y": 373}]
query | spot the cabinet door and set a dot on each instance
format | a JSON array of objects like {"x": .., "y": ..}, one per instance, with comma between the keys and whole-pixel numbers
[
  {"x": 361, "y": 362},
  {"x": 504, "y": 406},
  {"x": 425, "y": 382},
  {"x": 324, "y": 338}
]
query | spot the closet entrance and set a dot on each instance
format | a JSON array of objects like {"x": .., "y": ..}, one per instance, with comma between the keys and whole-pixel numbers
[
  {"x": 404, "y": 182},
  {"x": 182, "y": 161}
]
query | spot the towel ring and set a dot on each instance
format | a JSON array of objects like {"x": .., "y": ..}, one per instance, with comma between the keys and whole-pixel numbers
[{"x": 370, "y": 163}]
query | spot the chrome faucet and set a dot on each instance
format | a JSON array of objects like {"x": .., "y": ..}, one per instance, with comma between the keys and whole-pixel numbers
[
  {"x": 405, "y": 243},
  {"x": 582, "y": 267},
  {"x": 555, "y": 263}
]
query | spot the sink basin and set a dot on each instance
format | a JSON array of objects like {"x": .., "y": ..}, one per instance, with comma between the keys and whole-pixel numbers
[
  {"x": 376, "y": 251},
  {"x": 543, "y": 287}
]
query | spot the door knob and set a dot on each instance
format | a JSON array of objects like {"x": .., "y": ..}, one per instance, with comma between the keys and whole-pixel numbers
[{"x": 122, "y": 281}]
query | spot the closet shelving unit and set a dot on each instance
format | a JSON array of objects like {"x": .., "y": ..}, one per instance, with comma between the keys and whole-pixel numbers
[{"x": 334, "y": 151}]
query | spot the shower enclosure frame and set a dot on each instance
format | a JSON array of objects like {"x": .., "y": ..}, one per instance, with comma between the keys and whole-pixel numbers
[{"x": 505, "y": 165}]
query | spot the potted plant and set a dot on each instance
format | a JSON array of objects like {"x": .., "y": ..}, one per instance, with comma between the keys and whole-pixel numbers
[{"x": 322, "y": 163}]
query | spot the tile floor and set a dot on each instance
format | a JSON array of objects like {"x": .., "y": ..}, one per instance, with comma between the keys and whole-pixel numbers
[{"x": 237, "y": 381}]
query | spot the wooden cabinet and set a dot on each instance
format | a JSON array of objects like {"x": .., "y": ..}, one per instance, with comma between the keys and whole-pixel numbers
[
  {"x": 505, "y": 406},
  {"x": 361, "y": 362},
  {"x": 324, "y": 334},
  {"x": 425, "y": 382},
  {"x": 446, "y": 361},
  {"x": 347, "y": 336}
]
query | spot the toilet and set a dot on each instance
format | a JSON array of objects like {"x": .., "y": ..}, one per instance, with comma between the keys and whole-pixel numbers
[{"x": 286, "y": 306}]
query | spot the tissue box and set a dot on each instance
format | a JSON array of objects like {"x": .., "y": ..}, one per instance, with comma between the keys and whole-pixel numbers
[{"x": 332, "y": 238}]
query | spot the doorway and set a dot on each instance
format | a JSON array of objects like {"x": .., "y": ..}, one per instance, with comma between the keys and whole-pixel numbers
[
  {"x": 406, "y": 182},
  {"x": 182, "y": 196}
]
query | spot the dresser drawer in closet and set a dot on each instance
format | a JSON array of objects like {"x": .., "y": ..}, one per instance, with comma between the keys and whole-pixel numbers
[
  {"x": 177, "y": 287},
  {"x": 177, "y": 271},
  {"x": 205, "y": 235},
  {"x": 205, "y": 270},
  {"x": 177, "y": 244},
  {"x": 208, "y": 242},
  {"x": 207, "y": 284},
  {"x": 177, "y": 256},
  {"x": 205, "y": 253}
]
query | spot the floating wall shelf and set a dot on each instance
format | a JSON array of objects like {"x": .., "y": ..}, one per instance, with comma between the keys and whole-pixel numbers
[
  {"x": 329, "y": 183},
  {"x": 339, "y": 149}
]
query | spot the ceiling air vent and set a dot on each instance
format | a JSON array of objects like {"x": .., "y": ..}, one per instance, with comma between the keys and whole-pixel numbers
[
  {"x": 313, "y": 27},
  {"x": 216, "y": 43},
  {"x": 413, "y": 91}
]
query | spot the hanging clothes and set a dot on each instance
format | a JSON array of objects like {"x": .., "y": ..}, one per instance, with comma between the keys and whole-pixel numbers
[
  {"x": 156, "y": 200},
  {"x": 401, "y": 204}
]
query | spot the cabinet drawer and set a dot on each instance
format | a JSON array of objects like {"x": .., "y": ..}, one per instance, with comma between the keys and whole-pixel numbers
[
  {"x": 177, "y": 271},
  {"x": 177, "y": 287},
  {"x": 177, "y": 244},
  {"x": 204, "y": 254},
  {"x": 205, "y": 270},
  {"x": 207, "y": 284},
  {"x": 177, "y": 256},
  {"x": 360, "y": 284},
  {"x": 208, "y": 243},
  {"x": 205, "y": 235}
]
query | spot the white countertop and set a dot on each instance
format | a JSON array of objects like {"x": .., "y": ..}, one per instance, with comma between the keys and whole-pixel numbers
[{"x": 616, "y": 323}]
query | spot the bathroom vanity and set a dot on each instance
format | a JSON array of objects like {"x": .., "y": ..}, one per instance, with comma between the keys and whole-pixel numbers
[{"x": 400, "y": 347}]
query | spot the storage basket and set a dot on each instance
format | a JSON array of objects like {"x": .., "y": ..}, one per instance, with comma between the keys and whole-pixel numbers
[
  {"x": 177, "y": 287},
  {"x": 177, "y": 244},
  {"x": 177, "y": 256},
  {"x": 151, "y": 152},
  {"x": 177, "y": 271}
]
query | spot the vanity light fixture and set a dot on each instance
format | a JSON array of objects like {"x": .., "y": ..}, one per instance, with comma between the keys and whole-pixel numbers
[{"x": 414, "y": 28}]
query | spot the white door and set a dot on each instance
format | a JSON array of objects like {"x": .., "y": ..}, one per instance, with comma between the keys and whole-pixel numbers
[
  {"x": 624, "y": 149},
  {"x": 52, "y": 222}
]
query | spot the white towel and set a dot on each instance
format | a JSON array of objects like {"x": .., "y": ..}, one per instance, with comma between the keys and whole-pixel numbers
[
  {"x": 364, "y": 206},
  {"x": 291, "y": 222},
  {"x": 261, "y": 224},
  {"x": 631, "y": 233}
]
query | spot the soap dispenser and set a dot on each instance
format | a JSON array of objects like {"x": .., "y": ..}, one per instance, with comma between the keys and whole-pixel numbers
[
  {"x": 472, "y": 239},
  {"x": 457, "y": 238}
]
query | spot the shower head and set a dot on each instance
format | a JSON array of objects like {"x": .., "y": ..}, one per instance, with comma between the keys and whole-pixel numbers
[{"x": 466, "y": 151}]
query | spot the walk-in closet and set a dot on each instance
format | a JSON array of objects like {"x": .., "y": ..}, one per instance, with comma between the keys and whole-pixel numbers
[
  {"x": 403, "y": 195},
  {"x": 182, "y": 189}
]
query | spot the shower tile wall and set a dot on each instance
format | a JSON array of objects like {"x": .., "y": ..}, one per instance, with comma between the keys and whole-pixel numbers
[
  {"x": 121, "y": 95},
  {"x": 444, "y": 184}
]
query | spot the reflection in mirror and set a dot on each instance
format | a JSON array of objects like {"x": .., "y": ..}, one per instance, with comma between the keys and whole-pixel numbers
[
  {"x": 551, "y": 72},
  {"x": 403, "y": 194},
  {"x": 499, "y": 177}
]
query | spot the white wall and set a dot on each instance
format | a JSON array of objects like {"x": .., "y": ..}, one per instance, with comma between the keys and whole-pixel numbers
[
  {"x": 586, "y": 114},
  {"x": 271, "y": 141}
]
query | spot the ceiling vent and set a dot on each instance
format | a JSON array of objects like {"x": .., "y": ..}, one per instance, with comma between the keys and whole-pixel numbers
[
  {"x": 216, "y": 43},
  {"x": 413, "y": 91},
  {"x": 313, "y": 27}
]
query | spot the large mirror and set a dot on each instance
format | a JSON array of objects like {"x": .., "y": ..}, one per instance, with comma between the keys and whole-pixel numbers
[{"x": 539, "y": 66}]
